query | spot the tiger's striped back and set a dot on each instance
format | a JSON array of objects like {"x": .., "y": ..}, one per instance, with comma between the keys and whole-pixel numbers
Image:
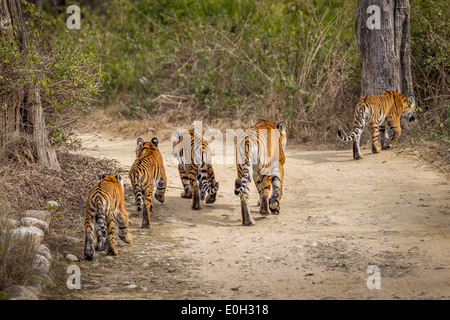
[
  {"x": 105, "y": 205},
  {"x": 146, "y": 173},
  {"x": 377, "y": 110},
  {"x": 195, "y": 167},
  {"x": 260, "y": 156}
]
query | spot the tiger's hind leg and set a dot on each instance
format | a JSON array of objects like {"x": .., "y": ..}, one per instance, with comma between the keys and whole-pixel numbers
[
  {"x": 161, "y": 188},
  {"x": 148, "y": 192},
  {"x": 247, "y": 219},
  {"x": 384, "y": 137},
  {"x": 196, "y": 192},
  {"x": 110, "y": 243},
  {"x": 187, "y": 194},
  {"x": 356, "y": 148},
  {"x": 358, "y": 129},
  {"x": 211, "y": 197},
  {"x": 375, "y": 133},
  {"x": 264, "y": 191},
  {"x": 89, "y": 236},
  {"x": 275, "y": 198},
  {"x": 122, "y": 221}
]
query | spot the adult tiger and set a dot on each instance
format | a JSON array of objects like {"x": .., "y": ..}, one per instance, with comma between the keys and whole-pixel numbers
[
  {"x": 378, "y": 110},
  {"x": 147, "y": 172},
  {"x": 195, "y": 167},
  {"x": 260, "y": 155},
  {"x": 105, "y": 206}
]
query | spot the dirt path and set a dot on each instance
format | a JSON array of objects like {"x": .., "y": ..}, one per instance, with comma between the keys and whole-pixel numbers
[{"x": 338, "y": 217}]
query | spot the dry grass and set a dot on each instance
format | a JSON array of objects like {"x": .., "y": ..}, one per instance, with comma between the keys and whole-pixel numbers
[{"x": 16, "y": 253}]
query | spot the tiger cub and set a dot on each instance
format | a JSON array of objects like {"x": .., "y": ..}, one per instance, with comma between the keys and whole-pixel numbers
[
  {"x": 260, "y": 156},
  {"x": 104, "y": 207},
  {"x": 146, "y": 173},
  {"x": 379, "y": 110},
  {"x": 195, "y": 168}
]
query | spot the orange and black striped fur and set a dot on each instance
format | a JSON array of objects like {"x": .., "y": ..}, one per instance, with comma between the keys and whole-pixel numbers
[
  {"x": 104, "y": 207},
  {"x": 146, "y": 173},
  {"x": 195, "y": 168},
  {"x": 260, "y": 156},
  {"x": 379, "y": 110}
]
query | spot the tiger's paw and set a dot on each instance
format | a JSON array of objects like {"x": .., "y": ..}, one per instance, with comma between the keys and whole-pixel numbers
[
  {"x": 211, "y": 198},
  {"x": 186, "y": 194},
  {"x": 113, "y": 251},
  {"x": 160, "y": 197},
  {"x": 274, "y": 206},
  {"x": 89, "y": 254},
  {"x": 249, "y": 223},
  {"x": 126, "y": 238}
]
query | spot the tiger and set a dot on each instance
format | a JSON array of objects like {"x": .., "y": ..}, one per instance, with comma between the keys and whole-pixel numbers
[
  {"x": 146, "y": 173},
  {"x": 193, "y": 155},
  {"x": 260, "y": 156},
  {"x": 105, "y": 206},
  {"x": 379, "y": 110}
]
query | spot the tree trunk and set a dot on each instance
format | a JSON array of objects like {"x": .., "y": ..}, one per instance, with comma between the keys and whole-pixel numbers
[
  {"x": 21, "y": 113},
  {"x": 382, "y": 30}
]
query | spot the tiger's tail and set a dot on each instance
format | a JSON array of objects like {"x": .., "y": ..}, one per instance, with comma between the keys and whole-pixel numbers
[
  {"x": 207, "y": 184},
  {"x": 361, "y": 113},
  {"x": 100, "y": 225},
  {"x": 344, "y": 138},
  {"x": 243, "y": 170},
  {"x": 137, "y": 191}
]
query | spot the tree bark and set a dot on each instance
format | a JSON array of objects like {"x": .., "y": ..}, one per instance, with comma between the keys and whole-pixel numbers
[
  {"x": 21, "y": 108},
  {"x": 384, "y": 49}
]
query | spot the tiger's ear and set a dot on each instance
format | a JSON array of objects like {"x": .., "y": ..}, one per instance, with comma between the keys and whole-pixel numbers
[
  {"x": 282, "y": 127},
  {"x": 140, "y": 143},
  {"x": 177, "y": 135},
  {"x": 100, "y": 176},
  {"x": 411, "y": 101},
  {"x": 155, "y": 141},
  {"x": 119, "y": 177}
]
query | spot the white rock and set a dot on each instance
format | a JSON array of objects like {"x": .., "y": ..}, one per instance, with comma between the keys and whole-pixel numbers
[
  {"x": 38, "y": 214},
  {"x": 20, "y": 293},
  {"x": 43, "y": 250},
  {"x": 34, "y": 222},
  {"x": 12, "y": 223},
  {"x": 35, "y": 233},
  {"x": 41, "y": 261}
]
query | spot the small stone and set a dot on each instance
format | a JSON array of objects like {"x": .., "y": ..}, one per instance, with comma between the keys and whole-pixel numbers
[
  {"x": 52, "y": 204},
  {"x": 71, "y": 257},
  {"x": 102, "y": 290},
  {"x": 131, "y": 286},
  {"x": 312, "y": 244}
]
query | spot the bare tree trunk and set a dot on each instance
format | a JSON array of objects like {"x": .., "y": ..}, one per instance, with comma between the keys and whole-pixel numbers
[
  {"x": 382, "y": 30},
  {"x": 21, "y": 109}
]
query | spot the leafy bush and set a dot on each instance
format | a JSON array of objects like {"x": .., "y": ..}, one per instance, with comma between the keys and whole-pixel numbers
[
  {"x": 233, "y": 59},
  {"x": 431, "y": 65}
]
